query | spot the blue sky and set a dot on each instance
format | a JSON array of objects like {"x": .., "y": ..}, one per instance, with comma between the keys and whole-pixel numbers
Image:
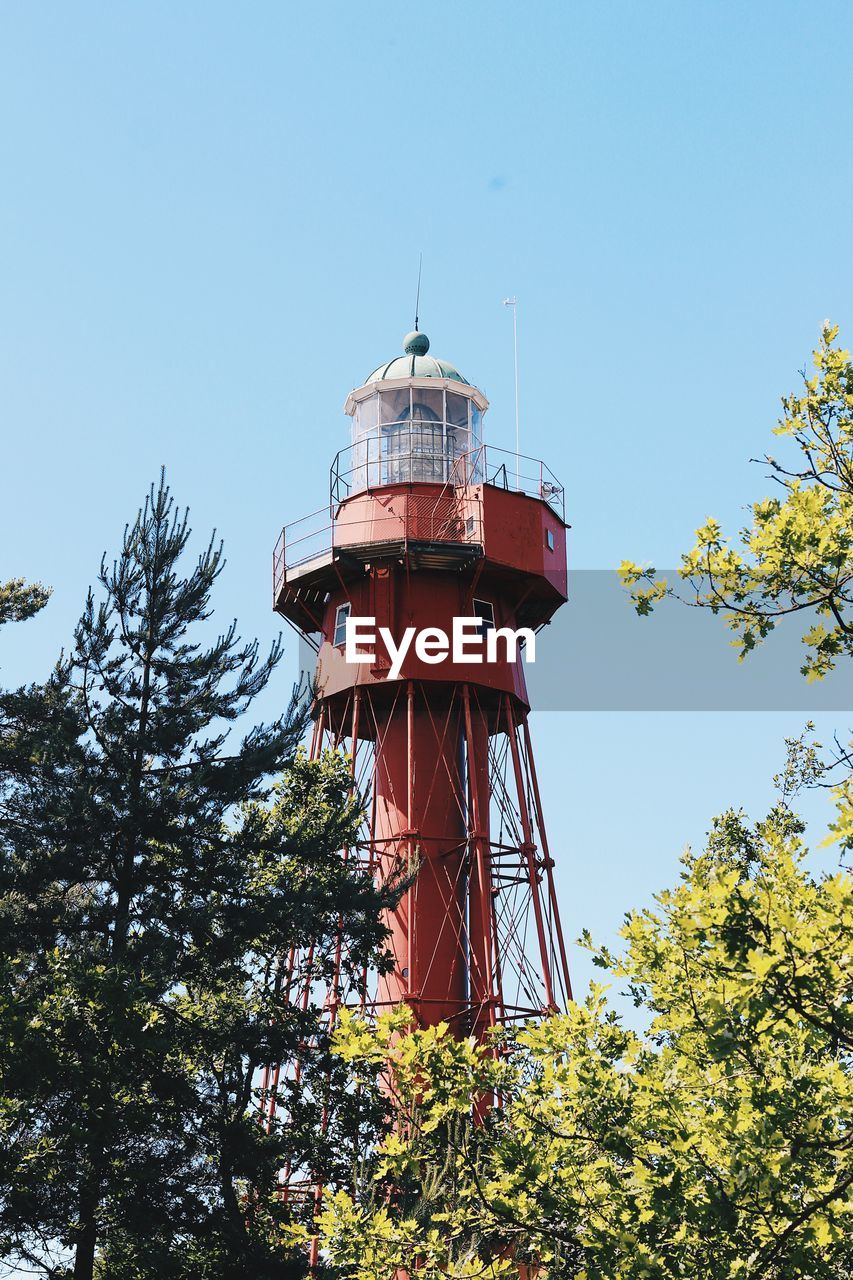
[{"x": 210, "y": 222}]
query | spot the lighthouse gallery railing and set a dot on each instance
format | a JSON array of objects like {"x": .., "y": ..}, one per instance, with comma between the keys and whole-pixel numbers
[{"x": 445, "y": 517}]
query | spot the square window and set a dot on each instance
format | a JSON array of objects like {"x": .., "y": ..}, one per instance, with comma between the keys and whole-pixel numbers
[
  {"x": 342, "y": 612},
  {"x": 485, "y": 611},
  {"x": 549, "y": 538}
]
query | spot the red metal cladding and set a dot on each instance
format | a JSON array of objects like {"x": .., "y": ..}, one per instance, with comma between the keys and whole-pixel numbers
[{"x": 420, "y": 826}]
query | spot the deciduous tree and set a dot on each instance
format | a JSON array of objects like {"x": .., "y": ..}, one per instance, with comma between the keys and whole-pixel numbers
[
  {"x": 715, "y": 1144},
  {"x": 796, "y": 554}
]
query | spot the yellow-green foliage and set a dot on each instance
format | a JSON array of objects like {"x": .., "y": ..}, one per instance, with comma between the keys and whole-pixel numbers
[
  {"x": 796, "y": 555},
  {"x": 715, "y": 1143}
]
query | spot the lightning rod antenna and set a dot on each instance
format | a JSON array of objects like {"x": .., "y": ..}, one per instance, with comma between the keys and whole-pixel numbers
[
  {"x": 513, "y": 302},
  {"x": 418, "y": 294}
]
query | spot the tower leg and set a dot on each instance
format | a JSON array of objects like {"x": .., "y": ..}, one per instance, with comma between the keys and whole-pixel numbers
[
  {"x": 528, "y": 851},
  {"x": 480, "y": 917}
]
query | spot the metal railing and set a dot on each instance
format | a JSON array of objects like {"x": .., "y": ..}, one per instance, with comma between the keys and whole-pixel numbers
[
  {"x": 378, "y": 461},
  {"x": 302, "y": 541},
  {"x": 454, "y": 514}
]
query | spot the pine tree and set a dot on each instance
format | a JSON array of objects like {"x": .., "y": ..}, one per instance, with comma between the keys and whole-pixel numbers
[
  {"x": 20, "y": 599},
  {"x": 148, "y": 888}
]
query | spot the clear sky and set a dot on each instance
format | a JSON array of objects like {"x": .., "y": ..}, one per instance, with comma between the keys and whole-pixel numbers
[{"x": 210, "y": 220}]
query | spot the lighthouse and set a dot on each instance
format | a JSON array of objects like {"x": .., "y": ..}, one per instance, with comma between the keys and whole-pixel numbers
[{"x": 429, "y": 531}]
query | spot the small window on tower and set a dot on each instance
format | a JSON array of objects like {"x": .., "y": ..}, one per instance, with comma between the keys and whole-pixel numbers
[
  {"x": 342, "y": 612},
  {"x": 549, "y": 538},
  {"x": 485, "y": 611}
]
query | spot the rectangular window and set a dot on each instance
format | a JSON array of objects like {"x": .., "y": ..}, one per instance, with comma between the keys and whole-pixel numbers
[
  {"x": 341, "y": 614},
  {"x": 395, "y": 405},
  {"x": 486, "y": 613},
  {"x": 549, "y": 538},
  {"x": 457, "y": 410}
]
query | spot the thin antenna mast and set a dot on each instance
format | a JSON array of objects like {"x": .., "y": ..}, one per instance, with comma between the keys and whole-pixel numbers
[
  {"x": 418, "y": 295},
  {"x": 513, "y": 302}
]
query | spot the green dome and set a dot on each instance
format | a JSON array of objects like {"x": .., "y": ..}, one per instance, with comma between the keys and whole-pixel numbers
[
  {"x": 416, "y": 363},
  {"x": 416, "y": 343}
]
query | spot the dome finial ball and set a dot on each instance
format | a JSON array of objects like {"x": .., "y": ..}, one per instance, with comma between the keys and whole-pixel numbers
[{"x": 416, "y": 343}]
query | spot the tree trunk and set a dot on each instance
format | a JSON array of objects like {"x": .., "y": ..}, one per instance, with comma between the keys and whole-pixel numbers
[{"x": 84, "y": 1252}]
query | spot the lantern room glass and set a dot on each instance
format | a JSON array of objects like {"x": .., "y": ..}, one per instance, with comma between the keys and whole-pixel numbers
[{"x": 415, "y": 434}]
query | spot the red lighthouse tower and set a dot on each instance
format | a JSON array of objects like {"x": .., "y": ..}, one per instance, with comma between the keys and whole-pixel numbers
[{"x": 426, "y": 524}]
